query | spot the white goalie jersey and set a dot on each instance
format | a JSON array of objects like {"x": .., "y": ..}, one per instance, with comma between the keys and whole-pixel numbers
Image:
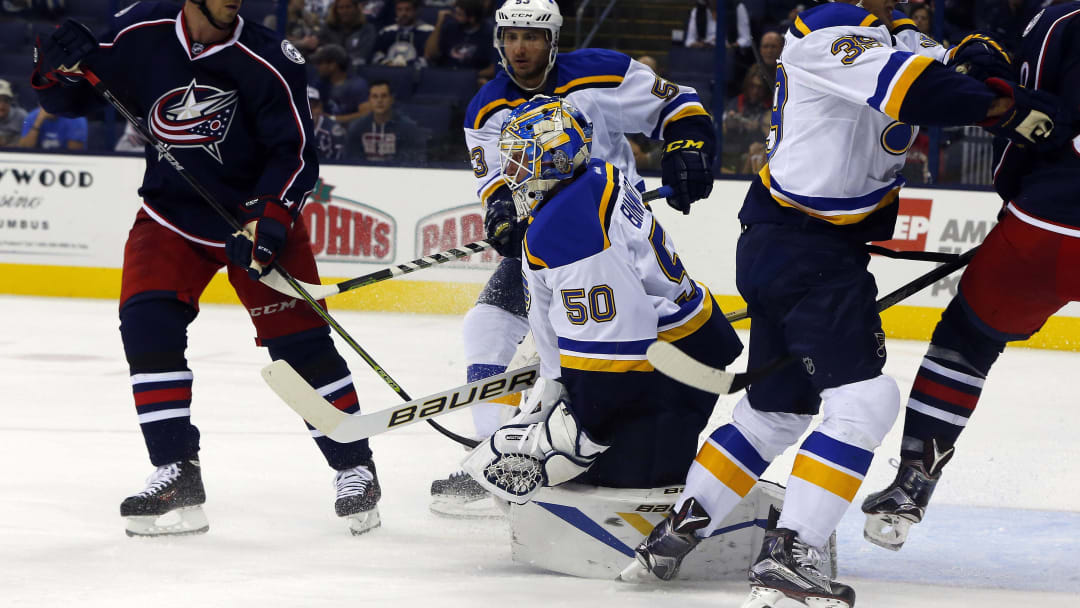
[
  {"x": 618, "y": 95},
  {"x": 603, "y": 281},
  {"x": 836, "y": 144}
]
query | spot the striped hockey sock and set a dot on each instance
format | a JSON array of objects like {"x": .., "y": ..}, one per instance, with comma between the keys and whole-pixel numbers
[
  {"x": 725, "y": 470},
  {"x": 944, "y": 396}
]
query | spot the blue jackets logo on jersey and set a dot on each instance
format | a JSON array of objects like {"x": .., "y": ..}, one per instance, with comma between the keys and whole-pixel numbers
[{"x": 194, "y": 116}]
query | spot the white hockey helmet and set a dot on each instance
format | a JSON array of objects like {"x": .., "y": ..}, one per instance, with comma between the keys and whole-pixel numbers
[{"x": 539, "y": 14}]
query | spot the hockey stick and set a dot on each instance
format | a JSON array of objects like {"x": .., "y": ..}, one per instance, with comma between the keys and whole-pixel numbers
[
  {"x": 668, "y": 359},
  {"x": 344, "y": 428},
  {"x": 319, "y": 292},
  {"x": 233, "y": 223}
]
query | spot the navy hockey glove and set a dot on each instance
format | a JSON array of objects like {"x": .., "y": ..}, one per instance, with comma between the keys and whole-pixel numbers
[
  {"x": 1031, "y": 117},
  {"x": 58, "y": 55},
  {"x": 503, "y": 228},
  {"x": 980, "y": 56},
  {"x": 685, "y": 166},
  {"x": 266, "y": 226}
]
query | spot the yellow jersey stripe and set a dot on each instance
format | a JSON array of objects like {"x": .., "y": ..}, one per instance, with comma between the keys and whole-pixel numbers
[
  {"x": 840, "y": 220},
  {"x": 587, "y": 80},
  {"x": 724, "y": 470},
  {"x": 867, "y": 20},
  {"x": 491, "y": 188},
  {"x": 605, "y": 202},
  {"x": 587, "y": 364},
  {"x": 693, "y": 110},
  {"x": 693, "y": 323},
  {"x": 492, "y": 107},
  {"x": 535, "y": 261},
  {"x": 897, "y": 23},
  {"x": 822, "y": 475},
  {"x": 902, "y": 84},
  {"x": 799, "y": 25}
]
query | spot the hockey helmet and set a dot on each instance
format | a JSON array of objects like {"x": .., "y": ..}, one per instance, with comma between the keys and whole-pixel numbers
[
  {"x": 538, "y": 14},
  {"x": 543, "y": 141}
]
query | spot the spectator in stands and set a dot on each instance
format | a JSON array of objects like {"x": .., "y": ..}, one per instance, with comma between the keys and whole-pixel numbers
[
  {"x": 921, "y": 15},
  {"x": 347, "y": 27},
  {"x": 747, "y": 118},
  {"x": 402, "y": 44},
  {"x": 379, "y": 13},
  {"x": 45, "y": 131},
  {"x": 701, "y": 29},
  {"x": 646, "y": 151},
  {"x": 772, "y": 43},
  {"x": 786, "y": 24},
  {"x": 130, "y": 140},
  {"x": 329, "y": 134},
  {"x": 11, "y": 116},
  {"x": 301, "y": 26},
  {"x": 463, "y": 41},
  {"x": 754, "y": 159},
  {"x": 384, "y": 136},
  {"x": 342, "y": 95}
]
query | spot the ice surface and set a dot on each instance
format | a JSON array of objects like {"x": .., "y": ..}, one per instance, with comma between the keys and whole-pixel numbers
[{"x": 1004, "y": 529}]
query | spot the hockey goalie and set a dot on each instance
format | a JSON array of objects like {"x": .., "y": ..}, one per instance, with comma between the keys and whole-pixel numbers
[{"x": 598, "y": 452}]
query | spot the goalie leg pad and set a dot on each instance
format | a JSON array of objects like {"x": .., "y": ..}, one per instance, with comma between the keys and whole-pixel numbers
[{"x": 519, "y": 459}]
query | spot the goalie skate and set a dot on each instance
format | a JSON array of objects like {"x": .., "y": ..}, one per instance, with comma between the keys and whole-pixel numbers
[
  {"x": 358, "y": 494},
  {"x": 461, "y": 496},
  {"x": 662, "y": 552},
  {"x": 891, "y": 512},
  {"x": 171, "y": 504}
]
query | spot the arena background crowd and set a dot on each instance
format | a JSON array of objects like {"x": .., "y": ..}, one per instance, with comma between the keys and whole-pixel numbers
[{"x": 390, "y": 79}]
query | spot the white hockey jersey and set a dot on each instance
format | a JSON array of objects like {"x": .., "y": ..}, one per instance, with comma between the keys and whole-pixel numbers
[
  {"x": 836, "y": 144},
  {"x": 618, "y": 95},
  {"x": 603, "y": 280}
]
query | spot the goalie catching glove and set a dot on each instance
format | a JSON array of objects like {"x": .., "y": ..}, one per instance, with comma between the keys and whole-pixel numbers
[
  {"x": 519, "y": 459},
  {"x": 266, "y": 223}
]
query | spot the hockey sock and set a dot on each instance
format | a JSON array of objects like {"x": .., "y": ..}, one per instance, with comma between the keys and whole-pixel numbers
[
  {"x": 725, "y": 470},
  {"x": 154, "y": 332},
  {"x": 313, "y": 356},
  {"x": 949, "y": 382},
  {"x": 491, "y": 337}
]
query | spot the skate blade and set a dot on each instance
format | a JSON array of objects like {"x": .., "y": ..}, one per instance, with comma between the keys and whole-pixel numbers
[
  {"x": 463, "y": 508},
  {"x": 178, "y": 522},
  {"x": 634, "y": 573},
  {"x": 363, "y": 522},
  {"x": 887, "y": 531}
]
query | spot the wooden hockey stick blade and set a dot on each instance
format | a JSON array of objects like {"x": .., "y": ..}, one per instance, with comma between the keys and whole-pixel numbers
[
  {"x": 346, "y": 428},
  {"x": 671, "y": 361}
]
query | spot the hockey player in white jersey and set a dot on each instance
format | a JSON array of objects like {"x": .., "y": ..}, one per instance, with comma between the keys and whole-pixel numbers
[
  {"x": 620, "y": 96},
  {"x": 847, "y": 92},
  {"x": 602, "y": 282}
]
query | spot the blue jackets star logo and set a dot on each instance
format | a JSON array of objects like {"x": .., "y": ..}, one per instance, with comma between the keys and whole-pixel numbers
[{"x": 194, "y": 116}]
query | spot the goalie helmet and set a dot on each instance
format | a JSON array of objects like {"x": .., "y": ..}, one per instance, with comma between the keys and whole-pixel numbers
[
  {"x": 543, "y": 142},
  {"x": 538, "y": 14}
]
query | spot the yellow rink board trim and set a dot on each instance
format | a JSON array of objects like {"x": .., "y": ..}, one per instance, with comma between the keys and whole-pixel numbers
[{"x": 398, "y": 295}]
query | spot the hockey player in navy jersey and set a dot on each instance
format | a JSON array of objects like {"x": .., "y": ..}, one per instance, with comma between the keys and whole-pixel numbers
[
  {"x": 602, "y": 282},
  {"x": 229, "y": 98},
  {"x": 848, "y": 90},
  {"x": 620, "y": 96},
  {"x": 1026, "y": 270}
]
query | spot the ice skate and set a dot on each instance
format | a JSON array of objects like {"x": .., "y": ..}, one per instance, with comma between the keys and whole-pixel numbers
[
  {"x": 461, "y": 496},
  {"x": 891, "y": 512},
  {"x": 171, "y": 504},
  {"x": 662, "y": 552},
  {"x": 789, "y": 568},
  {"x": 358, "y": 494}
]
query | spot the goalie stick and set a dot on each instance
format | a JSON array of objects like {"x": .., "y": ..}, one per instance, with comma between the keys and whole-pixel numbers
[
  {"x": 668, "y": 359},
  {"x": 319, "y": 292},
  {"x": 345, "y": 428},
  {"x": 294, "y": 285}
]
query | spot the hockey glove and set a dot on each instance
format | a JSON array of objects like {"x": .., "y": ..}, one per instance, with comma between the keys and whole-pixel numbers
[
  {"x": 1031, "y": 117},
  {"x": 980, "y": 56},
  {"x": 57, "y": 57},
  {"x": 686, "y": 167},
  {"x": 266, "y": 226},
  {"x": 503, "y": 227}
]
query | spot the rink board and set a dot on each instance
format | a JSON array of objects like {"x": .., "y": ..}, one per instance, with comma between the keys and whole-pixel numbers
[{"x": 64, "y": 219}]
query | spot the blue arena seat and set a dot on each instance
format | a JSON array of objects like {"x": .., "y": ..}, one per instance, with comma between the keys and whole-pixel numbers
[
  {"x": 444, "y": 82},
  {"x": 432, "y": 117},
  {"x": 14, "y": 35},
  {"x": 683, "y": 59}
]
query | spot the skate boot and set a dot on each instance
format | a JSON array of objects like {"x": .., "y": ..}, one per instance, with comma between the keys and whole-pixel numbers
[
  {"x": 891, "y": 512},
  {"x": 662, "y": 552},
  {"x": 171, "y": 504},
  {"x": 789, "y": 568},
  {"x": 461, "y": 496},
  {"x": 358, "y": 494}
]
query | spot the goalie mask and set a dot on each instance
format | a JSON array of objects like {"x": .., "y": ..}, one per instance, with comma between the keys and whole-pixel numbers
[{"x": 543, "y": 142}]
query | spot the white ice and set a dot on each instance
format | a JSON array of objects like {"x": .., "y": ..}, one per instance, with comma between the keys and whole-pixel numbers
[{"x": 1004, "y": 528}]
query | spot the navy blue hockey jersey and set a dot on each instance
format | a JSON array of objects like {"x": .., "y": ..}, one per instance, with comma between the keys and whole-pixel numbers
[
  {"x": 1042, "y": 188},
  {"x": 234, "y": 114}
]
